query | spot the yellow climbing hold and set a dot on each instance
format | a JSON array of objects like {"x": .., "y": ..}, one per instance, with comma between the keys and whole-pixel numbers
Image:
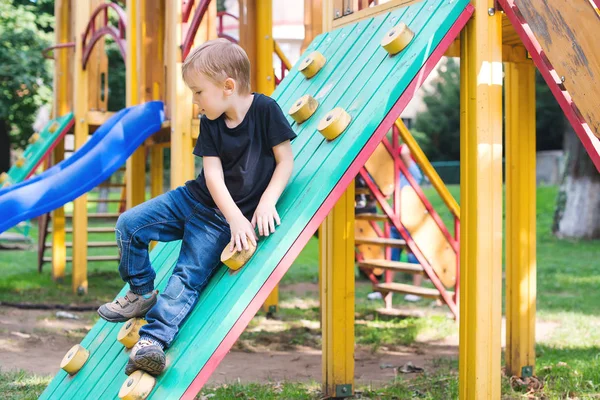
[
  {"x": 3, "y": 177},
  {"x": 237, "y": 259},
  {"x": 397, "y": 39},
  {"x": 20, "y": 162},
  {"x": 74, "y": 359},
  {"x": 34, "y": 138},
  {"x": 334, "y": 123},
  {"x": 304, "y": 108},
  {"x": 137, "y": 387},
  {"x": 53, "y": 127},
  {"x": 312, "y": 64},
  {"x": 129, "y": 333}
]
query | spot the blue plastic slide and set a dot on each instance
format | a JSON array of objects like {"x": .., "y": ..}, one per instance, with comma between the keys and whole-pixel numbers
[{"x": 106, "y": 150}]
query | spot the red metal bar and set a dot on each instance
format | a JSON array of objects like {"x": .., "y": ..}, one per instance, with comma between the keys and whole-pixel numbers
[
  {"x": 56, "y": 46},
  {"x": 186, "y": 10},
  {"x": 426, "y": 203},
  {"x": 92, "y": 35},
  {"x": 581, "y": 128},
  {"x": 193, "y": 29},
  {"x": 287, "y": 260}
]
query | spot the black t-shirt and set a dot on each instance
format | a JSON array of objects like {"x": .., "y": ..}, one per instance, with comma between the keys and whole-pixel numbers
[{"x": 246, "y": 152}]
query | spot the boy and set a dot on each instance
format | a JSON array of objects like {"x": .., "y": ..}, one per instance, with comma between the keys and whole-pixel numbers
[{"x": 247, "y": 161}]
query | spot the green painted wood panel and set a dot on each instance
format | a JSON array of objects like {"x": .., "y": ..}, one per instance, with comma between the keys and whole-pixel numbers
[
  {"x": 34, "y": 152},
  {"x": 360, "y": 77}
]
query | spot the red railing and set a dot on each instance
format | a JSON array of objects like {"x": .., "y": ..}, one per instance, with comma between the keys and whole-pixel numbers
[
  {"x": 194, "y": 25},
  {"x": 93, "y": 34},
  {"x": 192, "y": 29},
  {"x": 220, "y": 27},
  {"x": 47, "y": 50}
]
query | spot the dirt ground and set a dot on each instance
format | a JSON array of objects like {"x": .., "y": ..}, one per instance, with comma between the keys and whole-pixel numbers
[{"x": 36, "y": 341}]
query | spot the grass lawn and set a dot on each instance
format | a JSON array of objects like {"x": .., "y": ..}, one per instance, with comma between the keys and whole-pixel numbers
[{"x": 567, "y": 287}]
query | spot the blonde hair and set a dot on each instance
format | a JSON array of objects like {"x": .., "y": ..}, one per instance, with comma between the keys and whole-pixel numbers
[{"x": 220, "y": 59}]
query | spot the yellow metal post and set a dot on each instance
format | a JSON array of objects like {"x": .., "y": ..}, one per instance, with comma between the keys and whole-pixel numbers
[
  {"x": 481, "y": 204},
  {"x": 136, "y": 164},
  {"x": 62, "y": 11},
  {"x": 179, "y": 102},
  {"x": 81, "y": 107},
  {"x": 336, "y": 277},
  {"x": 520, "y": 219}
]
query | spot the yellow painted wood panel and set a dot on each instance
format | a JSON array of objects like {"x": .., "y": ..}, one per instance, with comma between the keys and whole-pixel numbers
[
  {"x": 63, "y": 60},
  {"x": 481, "y": 205},
  {"x": 428, "y": 236},
  {"x": 381, "y": 168},
  {"x": 520, "y": 219},
  {"x": 336, "y": 248},
  {"x": 81, "y": 83}
]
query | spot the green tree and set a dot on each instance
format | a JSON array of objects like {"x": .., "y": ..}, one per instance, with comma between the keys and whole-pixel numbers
[
  {"x": 25, "y": 75},
  {"x": 441, "y": 122}
]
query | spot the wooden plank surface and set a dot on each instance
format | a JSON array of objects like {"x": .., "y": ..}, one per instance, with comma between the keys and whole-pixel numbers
[
  {"x": 360, "y": 77},
  {"x": 568, "y": 31}
]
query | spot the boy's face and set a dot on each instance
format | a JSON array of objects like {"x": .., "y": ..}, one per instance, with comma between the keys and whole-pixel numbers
[{"x": 212, "y": 98}]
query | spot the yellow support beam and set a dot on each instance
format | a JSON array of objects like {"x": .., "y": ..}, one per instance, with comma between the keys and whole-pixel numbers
[
  {"x": 81, "y": 107},
  {"x": 62, "y": 11},
  {"x": 481, "y": 204},
  {"x": 265, "y": 80},
  {"x": 427, "y": 168},
  {"x": 156, "y": 170},
  {"x": 520, "y": 219},
  {"x": 136, "y": 164},
  {"x": 336, "y": 278},
  {"x": 179, "y": 101}
]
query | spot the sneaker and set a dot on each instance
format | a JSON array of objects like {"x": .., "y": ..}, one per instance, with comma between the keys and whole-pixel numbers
[
  {"x": 147, "y": 356},
  {"x": 412, "y": 298},
  {"x": 129, "y": 306}
]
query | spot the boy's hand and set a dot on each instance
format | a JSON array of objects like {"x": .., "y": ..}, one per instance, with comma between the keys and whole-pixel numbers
[
  {"x": 265, "y": 218},
  {"x": 241, "y": 231}
]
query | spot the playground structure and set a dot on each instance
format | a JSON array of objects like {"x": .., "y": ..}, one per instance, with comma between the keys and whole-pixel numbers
[{"x": 488, "y": 38}]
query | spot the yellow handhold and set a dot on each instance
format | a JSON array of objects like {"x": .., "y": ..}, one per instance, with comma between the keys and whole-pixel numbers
[
  {"x": 236, "y": 260},
  {"x": 312, "y": 64},
  {"x": 20, "y": 162},
  {"x": 3, "y": 177},
  {"x": 304, "y": 108},
  {"x": 334, "y": 123},
  {"x": 74, "y": 359},
  {"x": 53, "y": 127},
  {"x": 397, "y": 39},
  {"x": 137, "y": 387},
  {"x": 34, "y": 138},
  {"x": 129, "y": 333}
]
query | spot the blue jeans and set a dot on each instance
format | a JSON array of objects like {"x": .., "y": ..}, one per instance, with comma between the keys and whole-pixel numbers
[{"x": 175, "y": 215}]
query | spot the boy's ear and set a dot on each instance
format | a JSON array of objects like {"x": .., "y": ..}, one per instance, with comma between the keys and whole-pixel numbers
[{"x": 229, "y": 86}]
